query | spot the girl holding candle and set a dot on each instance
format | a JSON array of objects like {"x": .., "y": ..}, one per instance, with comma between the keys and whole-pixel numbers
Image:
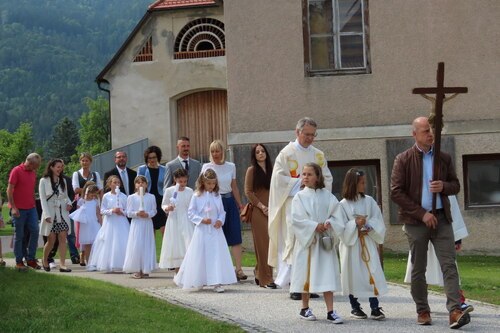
[
  {"x": 140, "y": 257},
  {"x": 108, "y": 251},
  {"x": 207, "y": 261},
  {"x": 179, "y": 229}
]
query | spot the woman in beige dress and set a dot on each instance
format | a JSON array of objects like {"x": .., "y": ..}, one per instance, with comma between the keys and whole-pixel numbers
[{"x": 257, "y": 182}]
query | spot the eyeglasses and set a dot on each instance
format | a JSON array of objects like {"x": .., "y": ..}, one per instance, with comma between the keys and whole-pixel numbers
[{"x": 309, "y": 135}]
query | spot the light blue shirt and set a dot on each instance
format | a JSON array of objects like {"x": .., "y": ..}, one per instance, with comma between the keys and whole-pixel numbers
[{"x": 427, "y": 159}]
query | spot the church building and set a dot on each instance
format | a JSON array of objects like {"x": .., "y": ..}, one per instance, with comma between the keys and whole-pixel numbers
[{"x": 245, "y": 71}]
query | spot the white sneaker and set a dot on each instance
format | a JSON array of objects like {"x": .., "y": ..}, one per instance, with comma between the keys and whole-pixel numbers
[
  {"x": 334, "y": 318},
  {"x": 307, "y": 314},
  {"x": 52, "y": 265},
  {"x": 218, "y": 289}
]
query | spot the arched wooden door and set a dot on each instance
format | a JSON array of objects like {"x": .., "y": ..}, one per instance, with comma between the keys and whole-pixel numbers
[{"x": 202, "y": 116}]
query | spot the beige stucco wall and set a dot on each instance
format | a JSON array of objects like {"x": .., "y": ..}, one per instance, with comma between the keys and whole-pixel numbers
[
  {"x": 144, "y": 94},
  {"x": 268, "y": 91}
]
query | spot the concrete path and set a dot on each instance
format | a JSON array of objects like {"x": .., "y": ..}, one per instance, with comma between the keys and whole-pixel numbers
[{"x": 262, "y": 310}]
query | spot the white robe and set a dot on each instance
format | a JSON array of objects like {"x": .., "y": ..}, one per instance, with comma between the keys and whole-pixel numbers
[
  {"x": 286, "y": 174},
  {"x": 179, "y": 230},
  {"x": 207, "y": 261},
  {"x": 355, "y": 274},
  {"x": 141, "y": 247},
  {"x": 309, "y": 208},
  {"x": 110, "y": 245},
  {"x": 434, "y": 275}
]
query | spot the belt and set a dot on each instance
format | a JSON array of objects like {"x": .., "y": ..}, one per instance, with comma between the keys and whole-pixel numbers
[
  {"x": 438, "y": 211},
  {"x": 227, "y": 195}
]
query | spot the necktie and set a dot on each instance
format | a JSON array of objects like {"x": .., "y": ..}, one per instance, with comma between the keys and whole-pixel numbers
[
  {"x": 186, "y": 165},
  {"x": 125, "y": 181}
]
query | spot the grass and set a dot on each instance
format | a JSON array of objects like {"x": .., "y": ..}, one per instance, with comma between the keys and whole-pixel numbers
[
  {"x": 479, "y": 275},
  {"x": 33, "y": 302}
]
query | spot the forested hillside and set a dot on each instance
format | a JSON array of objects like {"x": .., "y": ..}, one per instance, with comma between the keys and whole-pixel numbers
[{"x": 50, "y": 53}]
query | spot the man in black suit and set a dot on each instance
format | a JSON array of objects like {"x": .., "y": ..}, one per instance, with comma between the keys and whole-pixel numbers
[
  {"x": 126, "y": 175},
  {"x": 182, "y": 161}
]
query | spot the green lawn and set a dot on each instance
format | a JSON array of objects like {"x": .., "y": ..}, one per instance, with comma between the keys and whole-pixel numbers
[{"x": 33, "y": 302}]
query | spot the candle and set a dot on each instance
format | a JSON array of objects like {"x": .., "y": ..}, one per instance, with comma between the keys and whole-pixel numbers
[
  {"x": 117, "y": 191},
  {"x": 141, "y": 196}
]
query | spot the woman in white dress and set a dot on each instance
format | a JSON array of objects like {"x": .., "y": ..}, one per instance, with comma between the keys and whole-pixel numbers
[
  {"x": 140, "y": 257},
  {"x": 361, "y": 220},
  {"x": 207, "y": 261},
  {"x": 315, "y": 267},
  {"x": 179, "y": 229},
  {"x": 88, "y": 216},
  {"x": 108, "y": 250},
  {"x": 56, "y": 205}
]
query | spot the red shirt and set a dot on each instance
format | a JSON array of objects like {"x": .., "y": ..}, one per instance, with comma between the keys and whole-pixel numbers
[{"x": 24, "y": 186}]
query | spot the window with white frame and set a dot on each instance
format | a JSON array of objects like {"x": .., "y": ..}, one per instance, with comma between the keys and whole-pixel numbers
[
  {"x": 336, "y": 37},
  {"x": 481, "y": 180}
]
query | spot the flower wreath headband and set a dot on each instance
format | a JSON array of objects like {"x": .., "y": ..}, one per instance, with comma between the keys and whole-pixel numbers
[{"x": 207, "y": 174}]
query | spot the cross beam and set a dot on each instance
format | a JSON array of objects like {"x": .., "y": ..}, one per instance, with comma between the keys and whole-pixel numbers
[{"x": 440, "y": 92}]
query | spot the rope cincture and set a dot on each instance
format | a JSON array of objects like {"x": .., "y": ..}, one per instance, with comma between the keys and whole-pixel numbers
[{"x": 365, "y": 256}]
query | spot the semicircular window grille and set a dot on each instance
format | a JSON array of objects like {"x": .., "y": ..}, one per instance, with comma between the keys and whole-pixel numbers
[{"x": 201, "y": 38}]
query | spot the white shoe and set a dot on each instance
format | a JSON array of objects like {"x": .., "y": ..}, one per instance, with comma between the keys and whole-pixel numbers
[
  {"x": 218, "y": 289},
  {"x": 52, "y": 265}
]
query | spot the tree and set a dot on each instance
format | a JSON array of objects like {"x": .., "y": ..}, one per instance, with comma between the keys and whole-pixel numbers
[
  {"x": 14, "y": 147},
  {"x": 95, "y": 132},
  {"x": 64, "y": 140}
]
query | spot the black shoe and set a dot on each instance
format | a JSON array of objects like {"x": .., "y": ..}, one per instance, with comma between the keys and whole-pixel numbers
[
  {"x": 358, "y": 314},
  {"x": 377, "y": 314},
  {"x": 296, "y": 296},
  {"x": 271, "y": 285},
  {"x": 64, "y": 270},
  {"x": 313, "y": 295},
  {"x": 75, "y": 260},
  {"x": 46, "y": 268}
]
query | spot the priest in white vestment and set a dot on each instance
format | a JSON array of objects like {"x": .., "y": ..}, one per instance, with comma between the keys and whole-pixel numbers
[
  {"x": 315, "y": 265},
  {"x": 285, "y": 183}
]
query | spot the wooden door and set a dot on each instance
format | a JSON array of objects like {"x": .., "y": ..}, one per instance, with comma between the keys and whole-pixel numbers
[{"x": 202, "y": 116}]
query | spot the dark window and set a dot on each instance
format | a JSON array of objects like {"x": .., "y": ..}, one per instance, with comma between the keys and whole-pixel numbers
[
  {"x": 146, "y": 52},
  {"x": 481, "y": 180},
  {"x": 200, "y": 38}
]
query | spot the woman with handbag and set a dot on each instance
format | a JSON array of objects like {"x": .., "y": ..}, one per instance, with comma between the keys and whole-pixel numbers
[
  {"x": 257, "y": 183},
  {"x": 363, "y": 230},
  {"x": 315, "y": 263}
]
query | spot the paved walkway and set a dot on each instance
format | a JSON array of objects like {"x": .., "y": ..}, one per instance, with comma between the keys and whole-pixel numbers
[{"x": 262, "y": 310}]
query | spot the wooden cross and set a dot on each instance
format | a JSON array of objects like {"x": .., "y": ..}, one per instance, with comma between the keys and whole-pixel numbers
[{"x": 440, "y": 92}]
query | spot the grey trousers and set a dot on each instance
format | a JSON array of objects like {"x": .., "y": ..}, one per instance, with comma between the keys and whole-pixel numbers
[{"x": 444, "y": 243}]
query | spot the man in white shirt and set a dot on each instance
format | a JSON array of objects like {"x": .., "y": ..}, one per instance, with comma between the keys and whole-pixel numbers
[
  {"x": 182, "y": 160},
  {"x": 126, "y": 175},
  {"x": 285, "y": 183}
]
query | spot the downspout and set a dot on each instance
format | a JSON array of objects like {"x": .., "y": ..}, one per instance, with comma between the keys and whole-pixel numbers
[{"x": 109, "y": 107}]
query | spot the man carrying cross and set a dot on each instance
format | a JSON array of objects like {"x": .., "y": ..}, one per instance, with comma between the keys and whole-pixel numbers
[{"x": 413, "y": 184}]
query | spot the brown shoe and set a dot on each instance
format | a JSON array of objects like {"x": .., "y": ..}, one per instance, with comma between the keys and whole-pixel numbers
[
  {"x": 240, "y": 275},
  {"x": 33, "y": 264},
  {"x": 20, "y": 267},
  {"x": 424, "y": 318},
  {"x": 458, "y": 318}
]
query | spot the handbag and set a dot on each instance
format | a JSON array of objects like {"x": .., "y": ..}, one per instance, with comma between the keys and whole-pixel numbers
[
  {"x": 327, "y": 241},
  {"x": 246, "y": 213}
]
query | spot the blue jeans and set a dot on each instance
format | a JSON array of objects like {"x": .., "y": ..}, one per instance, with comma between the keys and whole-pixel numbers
[{"x": 28, "y": 219}]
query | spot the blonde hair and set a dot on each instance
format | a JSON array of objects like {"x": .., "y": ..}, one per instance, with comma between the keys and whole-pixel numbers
[
  {"x": 110, "y": 180},
  {"x": 209, "y": 174},
  {"x": 217, "y": 145},
  {"x": 85, "y": 155}
]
